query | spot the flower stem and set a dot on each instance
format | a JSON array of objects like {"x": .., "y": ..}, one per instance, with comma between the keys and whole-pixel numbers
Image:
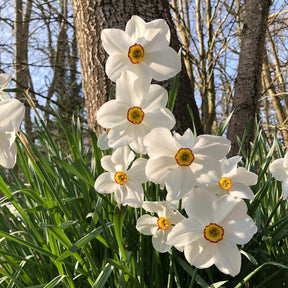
[
  {"x": 119, "y": 216},
  {"x": 274, "y": 211}
]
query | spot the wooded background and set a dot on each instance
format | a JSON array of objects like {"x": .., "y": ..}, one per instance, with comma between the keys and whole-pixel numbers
[{"x": 234, "y": 58}]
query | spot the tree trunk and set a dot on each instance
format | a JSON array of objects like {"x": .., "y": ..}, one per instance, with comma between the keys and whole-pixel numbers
[
  {"x": 21, "y": 29},
  {"x": 248, "y": 82},
  {"x": 91, "y": 17},
  {"x": 276, "y": 100}
]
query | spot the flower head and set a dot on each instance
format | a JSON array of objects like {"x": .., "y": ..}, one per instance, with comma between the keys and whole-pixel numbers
[
  {"x": 142, "y": 48},
  {"x": 180, "y": 162},
  {"x": 4, "y": 83},
  {"x": 138, "y": 108},
  {"x": 11, "y": 115},
  {"x": 212, "y": 231},
  {"x": 279, "y": 169},
  {"x": 125, "y": 181},
  {"x": 234, "y": 180},
  {"x": 159, "y": 226}
]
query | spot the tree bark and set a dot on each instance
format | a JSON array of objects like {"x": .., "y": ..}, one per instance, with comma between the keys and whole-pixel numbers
[
  {"x": 248, "y": 83},
  {"x": 91, "y": 17},
  {"x": 21, "y": 29},
  {"x": 276, "y": 100}
]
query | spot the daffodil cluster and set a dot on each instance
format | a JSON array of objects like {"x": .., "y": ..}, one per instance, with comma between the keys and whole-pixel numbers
[
  {"x": 11, "y": 116},
  {"x": 190, "y": 168}
]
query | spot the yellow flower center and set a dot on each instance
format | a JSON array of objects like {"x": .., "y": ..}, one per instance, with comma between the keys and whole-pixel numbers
[
  {"x": 213, "y": 233},
  {"x": 225, "y": 183},
  {"x": 135, "y": 115},
  {"x": 136, "y": 53},
  {"x": 163, "y": 223},
  {"x": 184, "y": 157},
  {"x": 120, "y": 178}
]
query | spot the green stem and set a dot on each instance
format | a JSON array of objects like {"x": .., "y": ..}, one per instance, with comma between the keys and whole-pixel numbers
[
  {"x": 193, "y": 278},
  {"x": 119, "y": 216},
  {"x": 274, "y": 211}
]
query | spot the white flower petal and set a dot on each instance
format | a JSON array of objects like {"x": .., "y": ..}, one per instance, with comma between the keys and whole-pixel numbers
[
  {"x": 105, "y": 183},
  {"x": 159, "y": 241},
  {"x": 147, "y": 225},
  {"x": 118, "y": 138},
  {"x": 115, "y": 41},
  {"x": 228, "y": 258},
  {"x": 160, "y": 142},
  {"x": 135, "y": 27},
  {"x": 240, "y": 231},
  {"x": 162, "y": 117},
  {"x": 123, "y": 157},
  {"x": 285, "y": 189},
  {"x": 102, "y": 141},
  {"x": 245, "y": 177},
  {"x": 277, "y": 170},
  {"x": 213, "y": 146},
  {"x": 115, "y": 65},
  {"x": 5, "y": 80},
  {"x": 185, "y": 232},
  {"x": 126, "y": 92},
  {"x": 205, "y": 169},
  {"x": 107, "y": 164},
  {"x": 199, "y": 205},
  {"x": 157, "y": 97},
  {"x": 179, "y": 182},
  {"x": 229, "y": 207},
  {"x": 199, "y": 253},
  {"x": 229, "y": 166},
  {"x": 241, "y": 191},
  {"x": 157, "y": 31},
  {"x": 12, "y": 110},
  {"x": 164, "y": 64},
  {"x": 285, "y": 161},
  {"x": 135, "y": 194},
  {"x": 138, "y": 146},
  {"x": 112, "y": 113},
  {"x": 157, "y": 169},
  {"x": 186, "y": 140},
  {"x": 8, "y": 154},
  {"x": 158, "y": 207},
  {"x": 137, "y": 171}
]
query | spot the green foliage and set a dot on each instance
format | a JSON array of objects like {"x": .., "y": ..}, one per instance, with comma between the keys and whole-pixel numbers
[{"x": 58, "y": 232}]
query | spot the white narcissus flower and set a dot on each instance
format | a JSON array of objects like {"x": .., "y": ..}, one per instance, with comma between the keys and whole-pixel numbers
[
  {"x": 182, "y": 162},
  {"x": 142, "y": 48},
  {"x": 234, "y": 180},
  {"x": 4, "y": 83},
  {"x": 11, "y": 114},
  {"x": 212, "y": 231},
  {"x": 279, "y": 169},
  {"x": 102, "y": 141},
  {"x": 159, "y": 226},
  {"x": 138, "y": 108},
  {"x": 121, "y": 179}
]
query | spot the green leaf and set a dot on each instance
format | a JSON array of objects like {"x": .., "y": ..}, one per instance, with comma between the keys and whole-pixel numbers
[
  {"x": 27, "y": 244},
  {"x": 82, "y": 242},
  {"x": 55, "y": 281},
  {"x": 249, "y": 257},
  {"x": 248, "y": 277},
  {"x": 103, "y": 276}
]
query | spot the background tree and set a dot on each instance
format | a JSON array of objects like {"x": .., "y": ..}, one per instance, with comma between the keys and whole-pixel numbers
[
  {"x": 91, "y": 17},
  {"x": 248, "y": 83},
  {"x": 41, "y": 39},
  {"x": 22, "y": 73},
  {"x": 210, "y": 34}
]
